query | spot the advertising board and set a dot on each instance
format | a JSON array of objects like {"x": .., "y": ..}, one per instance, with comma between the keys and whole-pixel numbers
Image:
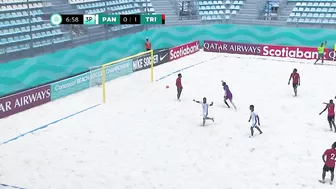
[
  {"x": 84, "y": 81},
  {"x": 24, "y": 100},
  {"x": 184, "y": 50},
  {"x": 228, "y": 47},
  {"x": 290, "y": 52},
  {"x": 143, "y": 62},
  {"x": 297, "y": 52}
]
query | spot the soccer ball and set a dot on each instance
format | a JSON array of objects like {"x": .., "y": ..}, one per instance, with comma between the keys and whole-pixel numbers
[{"x": 167, "y": 86}]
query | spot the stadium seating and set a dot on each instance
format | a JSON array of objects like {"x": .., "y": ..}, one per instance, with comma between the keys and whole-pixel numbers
[
  {"x": 218, "y": 10},
  {"x": 22, "y": 29},
  {"x": 313, "y": 12},
  {"x": 114, "y": 7}
]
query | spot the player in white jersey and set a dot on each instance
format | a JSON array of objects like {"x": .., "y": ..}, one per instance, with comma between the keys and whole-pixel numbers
[
  {"x": 205, "y": 106},
  {"x": 255, "y": 120}
]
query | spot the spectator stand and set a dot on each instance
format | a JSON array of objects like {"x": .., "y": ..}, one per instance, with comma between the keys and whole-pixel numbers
[
  {"x": 115, "y": 7},
  {"x": 24, "y": 30},
  {"x": 219, "y": 11},
  {"x": 313, "y": 13}
]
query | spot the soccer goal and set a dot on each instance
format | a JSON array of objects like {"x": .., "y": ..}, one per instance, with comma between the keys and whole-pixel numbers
[{"x": 118, "y": 68}]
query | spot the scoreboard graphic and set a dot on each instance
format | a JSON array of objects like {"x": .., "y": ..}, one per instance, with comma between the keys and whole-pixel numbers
[{"x": 57, "y": 19}]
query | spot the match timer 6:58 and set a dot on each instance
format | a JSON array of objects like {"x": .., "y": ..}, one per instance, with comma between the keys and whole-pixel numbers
[
  {"x": 57, "y": 19},
  {"x": 72, "y": 19}
]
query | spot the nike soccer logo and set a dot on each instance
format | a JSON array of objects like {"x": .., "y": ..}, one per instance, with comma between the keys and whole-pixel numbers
[{"x": 162, "y": 57}]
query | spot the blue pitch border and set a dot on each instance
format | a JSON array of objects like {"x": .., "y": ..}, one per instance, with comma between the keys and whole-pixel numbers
[
  {"x": 6, "y": 185},
  {"x": 205, "y": 61},
  {"x": 42, "y": 127},
  {"x": 45, "y": 126}
]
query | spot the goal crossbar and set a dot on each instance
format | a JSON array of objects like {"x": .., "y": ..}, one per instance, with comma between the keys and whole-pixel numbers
[{"x": 151, "y": 52}]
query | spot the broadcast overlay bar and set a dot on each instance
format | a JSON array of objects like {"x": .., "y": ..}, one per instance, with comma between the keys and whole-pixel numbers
[{"x": 57, "y": 19}]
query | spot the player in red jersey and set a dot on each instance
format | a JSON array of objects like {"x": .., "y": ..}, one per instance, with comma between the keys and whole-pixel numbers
[
  {"x": 331, "y": 113},
  {"x": 296, "y": 80},
  {"x": 329, "y": 162},
  {"x": 179, "y": 86}
]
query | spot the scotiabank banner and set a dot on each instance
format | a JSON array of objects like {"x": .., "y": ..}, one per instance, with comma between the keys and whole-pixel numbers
[
  {"x": 295, "y": 52},
  {"x": 234, "y": 48},
  {"x": 25, "y": 100},
  {"x": 184, "y": 50}
]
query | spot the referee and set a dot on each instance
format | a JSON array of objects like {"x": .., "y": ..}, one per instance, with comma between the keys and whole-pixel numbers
[{"x": 320, "y": 51}]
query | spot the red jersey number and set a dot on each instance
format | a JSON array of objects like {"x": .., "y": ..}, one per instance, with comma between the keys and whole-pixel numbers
[{"x": 331, "y": 157}]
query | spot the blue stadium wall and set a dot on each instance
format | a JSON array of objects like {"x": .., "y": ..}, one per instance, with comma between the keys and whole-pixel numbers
[{"x": 30, "y": 72}]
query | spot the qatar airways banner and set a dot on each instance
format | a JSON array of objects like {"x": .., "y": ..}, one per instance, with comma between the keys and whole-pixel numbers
[
  {"x": 266, "y": 50},
  {"x": 295, "y": 52},
  {"x": 234, "y": 48},
  {"x": 25, "y": 100},
  {"x": 184, "y": 50}
]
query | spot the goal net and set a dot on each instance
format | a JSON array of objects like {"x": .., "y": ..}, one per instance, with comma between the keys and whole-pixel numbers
[{"x": 112, "y": 70}]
